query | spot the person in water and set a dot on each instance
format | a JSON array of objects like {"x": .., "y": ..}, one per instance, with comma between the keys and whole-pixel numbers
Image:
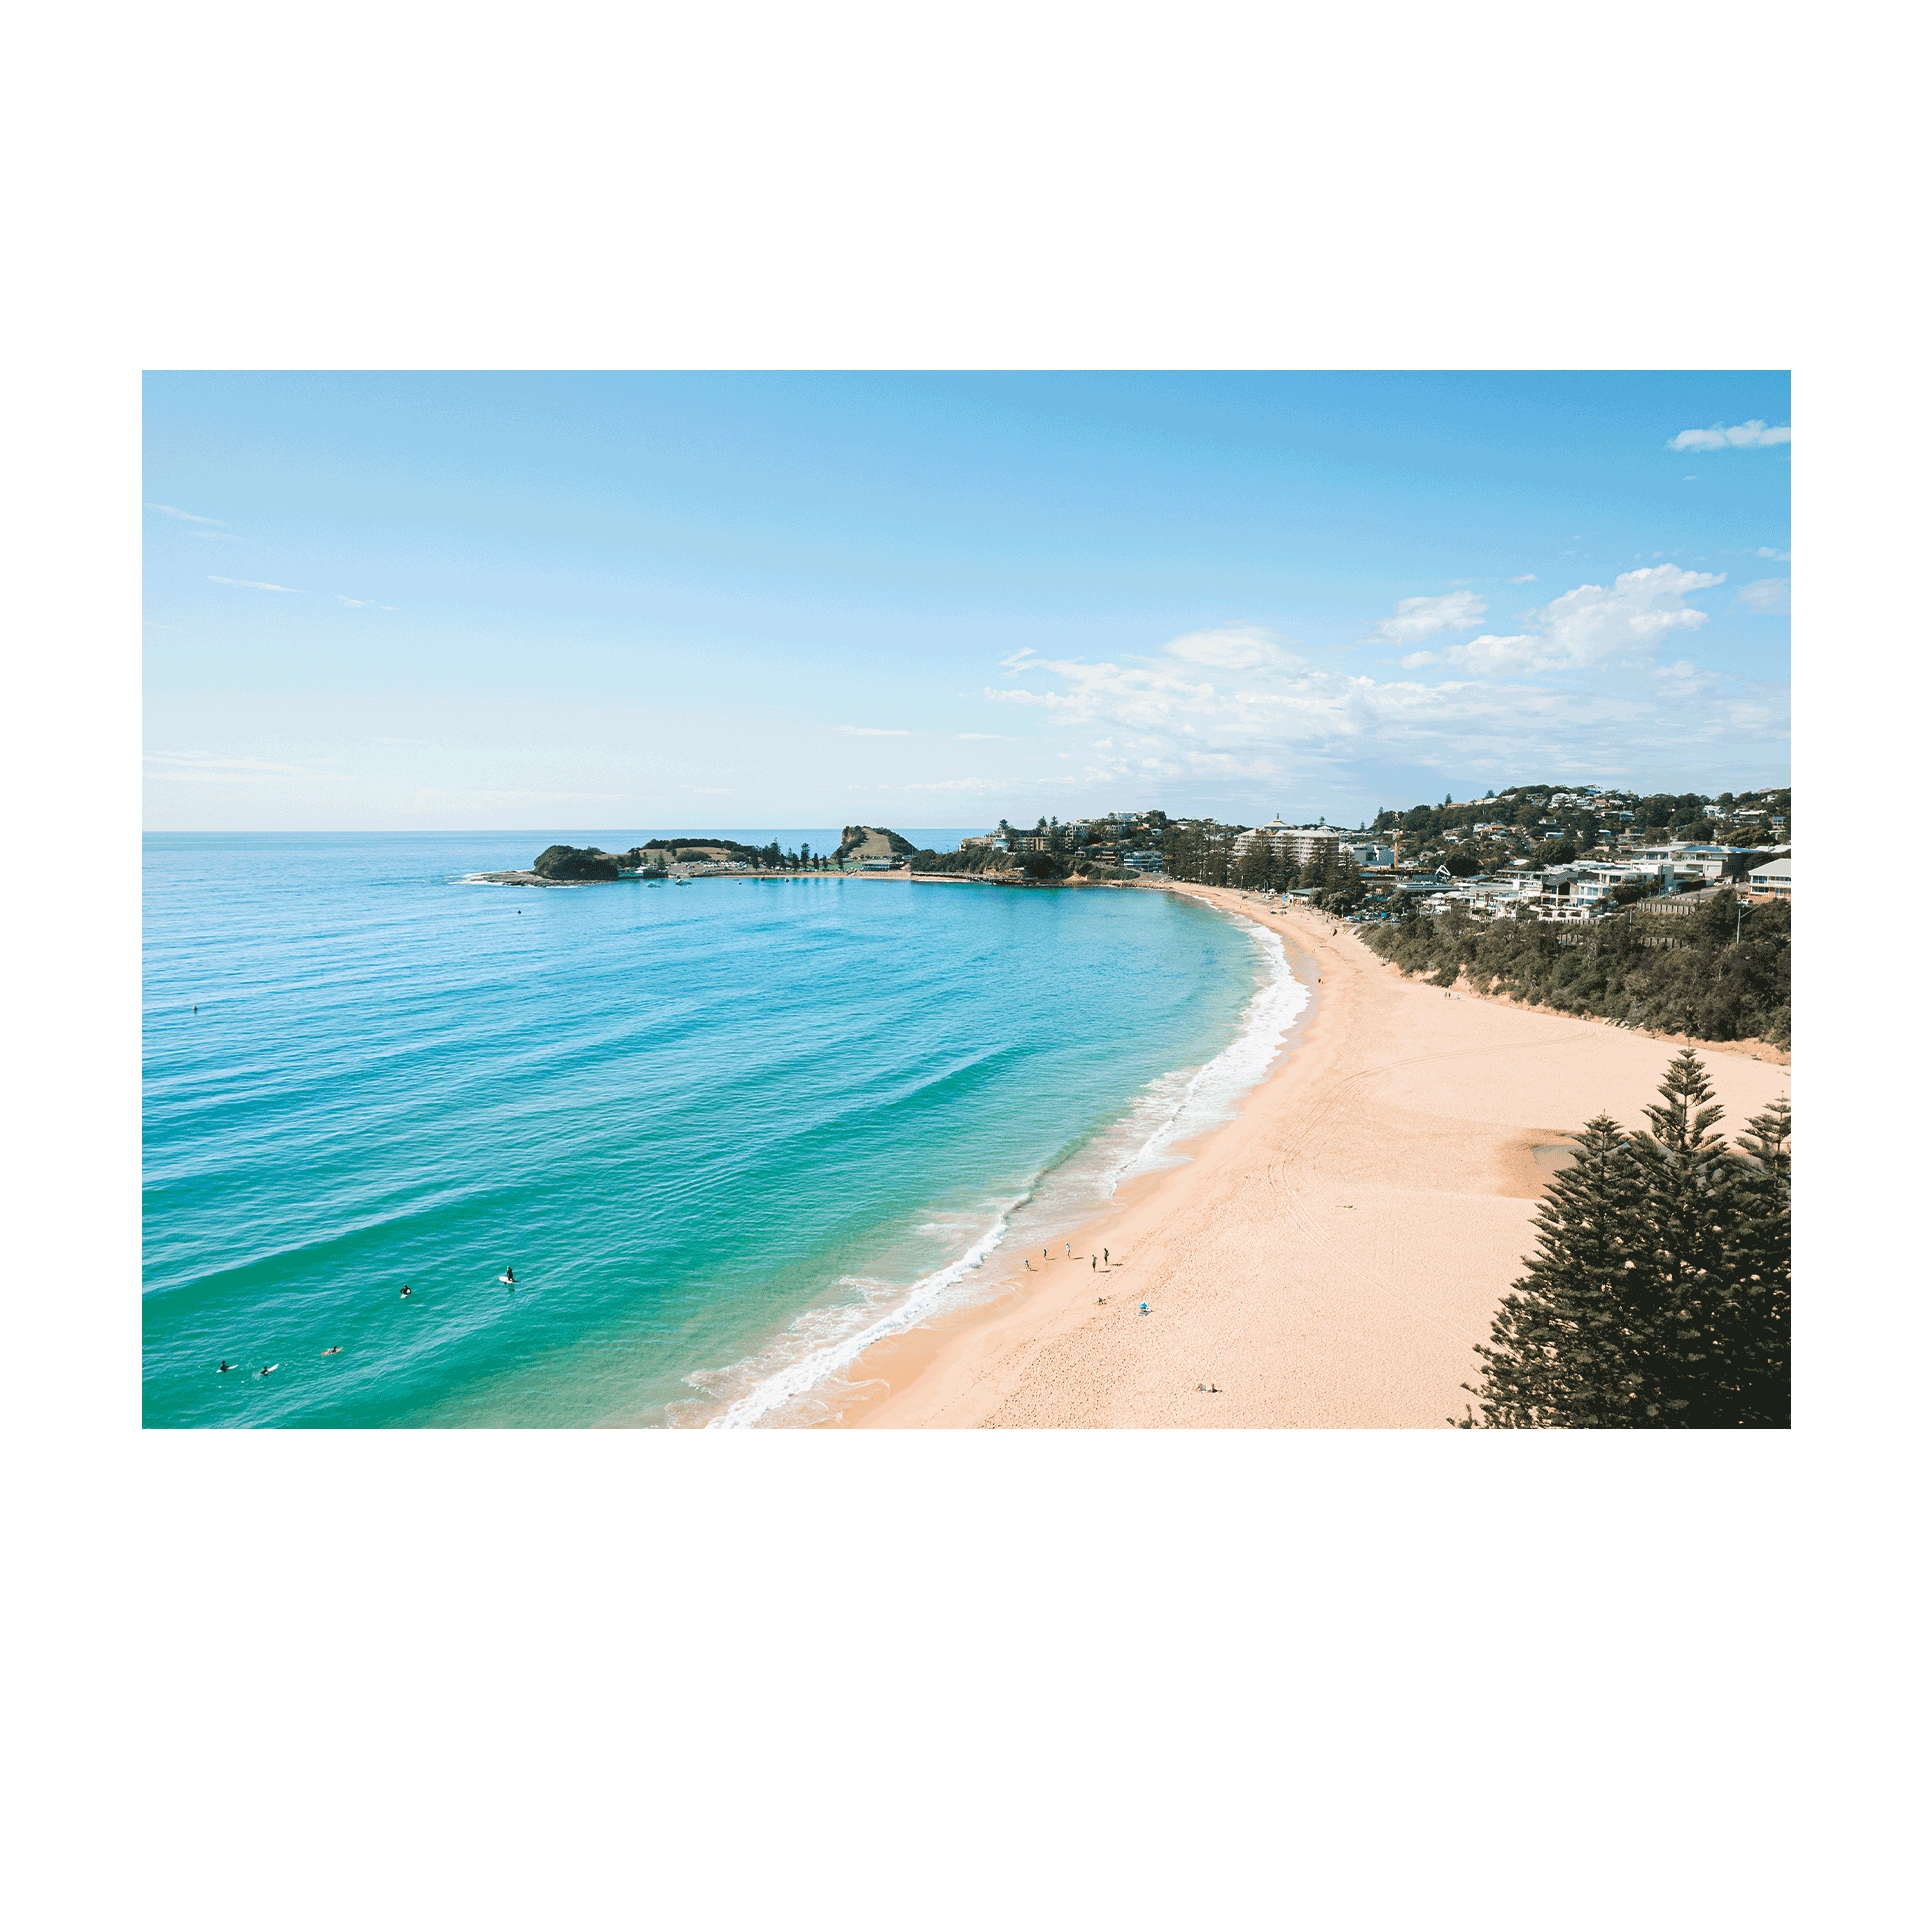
[
  {"x": 404, "y": 1291},
  {"x": 226, "y": 1366},
  {"x": 509, "y": 1276},
  {"x": 332, "y": 1350}
]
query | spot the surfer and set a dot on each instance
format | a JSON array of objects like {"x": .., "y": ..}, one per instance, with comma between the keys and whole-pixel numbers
[
  {"x": 332, "y": 1350},
  {"x": 404, "y": 1291},
  {"x": 264, "y": 1371},
  {"x": 509, "y": 1276},
  {"x": 226, "y": 1366}
]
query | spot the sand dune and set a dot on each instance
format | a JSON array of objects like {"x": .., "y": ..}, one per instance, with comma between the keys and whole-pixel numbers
[{"x": 1330, "y": 1257}]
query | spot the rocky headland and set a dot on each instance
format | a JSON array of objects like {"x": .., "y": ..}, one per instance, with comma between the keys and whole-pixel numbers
[{"x": 563, "y": 867}]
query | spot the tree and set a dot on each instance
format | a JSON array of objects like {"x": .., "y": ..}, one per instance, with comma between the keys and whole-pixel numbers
[
  {"x": 1660, "y": 1292},
  {"x": 1568, "y": 1344},
  {"x": 1752, "y": 1384}
]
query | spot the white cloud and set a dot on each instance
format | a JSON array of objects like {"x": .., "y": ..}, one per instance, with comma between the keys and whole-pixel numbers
[
  {"x": 202, "y": 533},
  {"x": 1766, "y": 596},
  {"x": 1773, "y": 553},
  {"x": 1159, "y": 726},
  {"x": 449, "y": 799},
  {"x": 178, "y": 513},
  {"x": 1521, "y": 579},
  {"x": 1756, "y": 433},
  {"x": 1589, "y": 627},
  {"x": 265, "y": 586},
  {"x": 871, "y": 733},
  {"x": 1414, "y": 620},
  {"x": 1234, "y": 647},
  {"x": 225, "y": 769},
  {"x": 345, "y": 602}
]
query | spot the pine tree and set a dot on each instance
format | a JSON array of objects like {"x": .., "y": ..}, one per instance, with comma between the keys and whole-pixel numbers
[
  {"x": 1571, "y": 1342},
  {"x": 1660, "y": 1293},
  {"x": 1752, "y": 1310},
  {"x": 1687, "y": 1176}
]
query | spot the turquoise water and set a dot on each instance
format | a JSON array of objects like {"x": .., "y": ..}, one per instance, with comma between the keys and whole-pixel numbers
[{"x": 720, "y": 1131}]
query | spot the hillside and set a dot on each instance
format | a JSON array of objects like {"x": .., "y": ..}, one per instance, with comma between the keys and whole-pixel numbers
[{"x": 873, "y": 843}]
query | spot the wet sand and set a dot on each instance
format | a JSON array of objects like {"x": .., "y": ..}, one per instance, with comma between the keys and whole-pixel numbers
[{"x": 1327, "y": 1259}]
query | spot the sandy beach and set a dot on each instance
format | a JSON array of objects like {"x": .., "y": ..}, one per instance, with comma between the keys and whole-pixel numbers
[{"x": 1328, "y": 1258}]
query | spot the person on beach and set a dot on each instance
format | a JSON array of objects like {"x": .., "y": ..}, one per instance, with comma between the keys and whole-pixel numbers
[{"x": 1143, "y": 1306}]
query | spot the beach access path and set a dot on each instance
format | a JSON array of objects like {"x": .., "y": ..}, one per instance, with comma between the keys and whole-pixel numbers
[{"x": 1328, "y": 1258}]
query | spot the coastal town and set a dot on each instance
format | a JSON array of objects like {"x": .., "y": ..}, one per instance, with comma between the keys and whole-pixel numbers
[{"x": 1571, "y": 854}]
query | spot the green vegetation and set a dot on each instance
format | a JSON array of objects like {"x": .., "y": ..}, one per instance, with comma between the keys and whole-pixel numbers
[
  {"x": 1523, "y": 824},
  {"x": 1721, "y": 972},
  {"x": 1038, "y": 869},
  {"x": 872, "y": 843},
  {"x": 1661, "y": 1291}
]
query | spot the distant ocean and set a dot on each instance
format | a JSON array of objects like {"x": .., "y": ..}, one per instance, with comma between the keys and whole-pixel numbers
[{"x": 724, "y": 1133}]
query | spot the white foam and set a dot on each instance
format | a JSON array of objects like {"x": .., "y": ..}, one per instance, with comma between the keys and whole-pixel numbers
[
  {"x": 1211, "y": 1095},
  {"x": 830, "y": 1358}
]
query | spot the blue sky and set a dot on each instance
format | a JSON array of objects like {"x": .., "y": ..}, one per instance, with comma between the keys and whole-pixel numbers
[{"x": 534, "y": 600}]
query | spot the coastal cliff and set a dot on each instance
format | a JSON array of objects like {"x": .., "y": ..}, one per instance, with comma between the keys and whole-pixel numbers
[{"x": 563, "y": 867}]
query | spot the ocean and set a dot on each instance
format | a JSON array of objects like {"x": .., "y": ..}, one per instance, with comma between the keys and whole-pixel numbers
[{"x": 724, "y": 1133}]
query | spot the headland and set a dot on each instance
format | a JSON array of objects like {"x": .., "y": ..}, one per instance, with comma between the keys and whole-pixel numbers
[{"x": 1330, "y": 1256}]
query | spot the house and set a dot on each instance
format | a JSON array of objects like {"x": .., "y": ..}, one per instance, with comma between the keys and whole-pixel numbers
[{"x": 1774, "y": 881}]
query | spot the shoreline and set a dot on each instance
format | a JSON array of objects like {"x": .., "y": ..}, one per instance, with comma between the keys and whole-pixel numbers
[{"x": 1329, "y": 1256}]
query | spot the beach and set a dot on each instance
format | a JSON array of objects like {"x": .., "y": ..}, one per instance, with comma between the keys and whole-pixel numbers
[{"x": 1329, "y": 1257}]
